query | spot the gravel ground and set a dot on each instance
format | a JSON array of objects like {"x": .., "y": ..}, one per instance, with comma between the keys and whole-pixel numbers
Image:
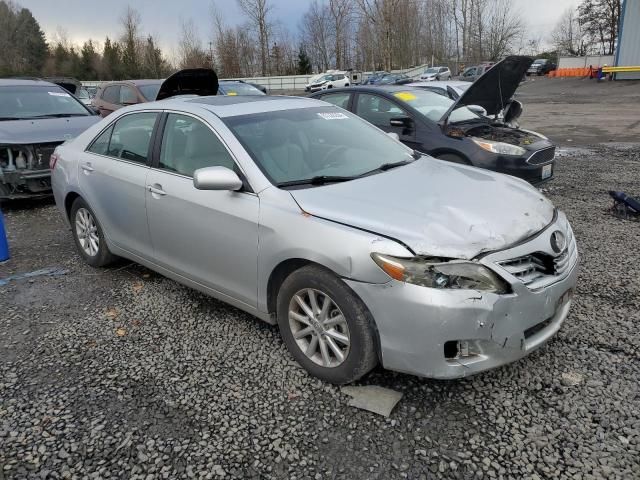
[{"x": 121, "y": 373}]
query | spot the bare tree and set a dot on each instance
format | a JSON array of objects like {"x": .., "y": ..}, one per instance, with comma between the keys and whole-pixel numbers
[
  {"x": 340, "y": 12},
  {"x": 567, "y": 36},
  {"x": 257, "y": 11},
  {"x": 316, "y": 32},
  {"x": 131, "y": 42},
  {"x": 191, "y": 53}
]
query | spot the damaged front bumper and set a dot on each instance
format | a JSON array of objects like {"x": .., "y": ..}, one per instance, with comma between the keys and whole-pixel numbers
[
  {"x": 449, "y": 334},
  {"x": 21, "y": 184}
]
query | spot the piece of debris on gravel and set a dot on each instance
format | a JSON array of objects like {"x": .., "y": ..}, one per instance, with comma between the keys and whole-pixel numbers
[
  {"x": 372, "y": 398},
  {"x": 198, "y": 389}
]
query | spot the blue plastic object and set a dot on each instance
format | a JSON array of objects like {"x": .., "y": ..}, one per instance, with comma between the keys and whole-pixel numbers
[{"x": 4, "y": 244}]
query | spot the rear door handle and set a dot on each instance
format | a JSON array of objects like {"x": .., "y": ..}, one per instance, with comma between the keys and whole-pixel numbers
[
  {"x": 157, "y": 190},
  {"x": 87, "y": 167}
]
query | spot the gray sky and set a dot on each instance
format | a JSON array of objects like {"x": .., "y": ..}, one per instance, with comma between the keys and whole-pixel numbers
[{"x": 83, "y": 19}]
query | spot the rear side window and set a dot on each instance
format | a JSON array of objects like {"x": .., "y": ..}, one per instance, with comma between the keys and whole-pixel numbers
[
  {"x": 338, "y": 99},
  {"x": 101, "y": 144},
  {"x": 131, "y": 137},
  {"x": 188, "y": 144},
  {"x": 111, "y": 94}
]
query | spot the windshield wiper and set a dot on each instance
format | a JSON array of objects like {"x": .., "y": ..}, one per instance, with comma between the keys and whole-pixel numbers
[
  {"x": 317, "y": 180},
  {"x": 58, "y": 115},
  {"x": 387, "y": 166}
]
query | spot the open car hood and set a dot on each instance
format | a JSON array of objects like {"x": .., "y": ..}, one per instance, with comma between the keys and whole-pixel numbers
[
  {"x": 71, "y": 85},
  {"x": 192, "y": 81},
  {"x": 495, "y": 88}
]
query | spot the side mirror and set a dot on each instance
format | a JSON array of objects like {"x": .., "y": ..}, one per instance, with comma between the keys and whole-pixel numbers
[
  {"x": 216, "y": 178},
  {"x": 478, "y": 109},
  {"x": 404, "y": 122}
]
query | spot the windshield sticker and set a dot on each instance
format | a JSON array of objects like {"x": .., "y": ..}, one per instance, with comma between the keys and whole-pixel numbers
[
  {"x": 232, "y": 94},
  {"x": 333, "y": 116},
  {"x": 58, "y": 94},
  {"x": 406, "y": 96}
]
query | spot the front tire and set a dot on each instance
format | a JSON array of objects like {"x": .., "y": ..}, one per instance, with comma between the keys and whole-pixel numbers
[
  {"x": 325, "y": 326},
  {"x": 88, "y": 235}
]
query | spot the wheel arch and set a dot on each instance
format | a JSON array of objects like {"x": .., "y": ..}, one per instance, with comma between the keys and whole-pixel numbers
[
  {"x": 68, "y": 202},
  {"x": 287, "y": 267}
]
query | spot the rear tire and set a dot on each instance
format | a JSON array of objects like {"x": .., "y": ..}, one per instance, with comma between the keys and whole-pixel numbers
[
  {"x": 337, "y": 344},
  {"x": 88, "y": 235}
]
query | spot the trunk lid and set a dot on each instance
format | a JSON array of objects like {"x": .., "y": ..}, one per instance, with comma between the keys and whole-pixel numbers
[{"x": 191, "y": 81}]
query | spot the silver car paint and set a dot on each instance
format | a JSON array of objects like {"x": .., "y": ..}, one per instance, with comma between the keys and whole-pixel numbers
[
  {"x": 437, "y": 209},
  {"x": 452, "y": 211}
]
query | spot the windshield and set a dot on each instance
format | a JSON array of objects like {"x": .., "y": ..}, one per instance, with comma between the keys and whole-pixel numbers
[
  {"x": 539, "y": 61},
  {"x": 25, "y": 102},
  {"x": 300, "y": 144},
  {"x": 434, "y": 106},
  {"x": 238, "y": 88},
  {"x": 150, "y": 92},
  {"x": 431, "y": 70}
]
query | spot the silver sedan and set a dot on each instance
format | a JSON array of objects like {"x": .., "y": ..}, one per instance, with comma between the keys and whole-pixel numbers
[{"x": 304, "y": 215}]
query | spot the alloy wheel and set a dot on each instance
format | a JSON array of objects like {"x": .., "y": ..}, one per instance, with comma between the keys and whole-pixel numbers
[
  {"x": 319, "y": 327},
  {"x": 87, "y": 232}
]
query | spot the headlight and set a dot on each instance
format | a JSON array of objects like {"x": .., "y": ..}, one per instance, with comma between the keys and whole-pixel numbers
[
  {"x": 498, "y": 147},
  {"x": 439, "y": 273}
]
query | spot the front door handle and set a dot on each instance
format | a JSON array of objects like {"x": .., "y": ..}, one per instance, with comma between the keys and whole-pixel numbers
[
  {"x": 87, "y": 167},
  {"x": 156, "y": 190}
]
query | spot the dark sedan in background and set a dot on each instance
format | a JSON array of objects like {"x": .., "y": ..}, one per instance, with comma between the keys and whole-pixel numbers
[
  {"x": 35, "y": 117},
  {"x": 454, "y": 130}
]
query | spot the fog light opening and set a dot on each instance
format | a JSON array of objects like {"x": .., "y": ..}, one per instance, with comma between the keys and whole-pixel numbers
[{"x": 454, "y": 349}]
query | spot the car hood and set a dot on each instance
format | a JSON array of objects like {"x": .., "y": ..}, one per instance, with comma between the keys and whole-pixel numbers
[
  {"x": 435, "y": 208},
  {"x": 495, "y": 88},
  {"x": 45, "y": 130},
  {"x": 191, "y": 81}
]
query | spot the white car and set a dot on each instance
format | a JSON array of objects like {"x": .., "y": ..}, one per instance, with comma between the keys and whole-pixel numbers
[
  {"x": 436, "y": 73},
  {"x": 331, "y": 80}
]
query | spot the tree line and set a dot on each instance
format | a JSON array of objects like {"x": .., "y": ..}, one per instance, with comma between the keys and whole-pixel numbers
[
  {"x": 340, "y": 34},
  {"x": 590, "y": 28}
]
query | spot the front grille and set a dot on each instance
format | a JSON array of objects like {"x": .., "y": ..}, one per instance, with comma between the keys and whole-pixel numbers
[
  {"x": 42, "y": 153},
  {"x": 539, "y": 269},
  {"x": 542, "y": 156}
]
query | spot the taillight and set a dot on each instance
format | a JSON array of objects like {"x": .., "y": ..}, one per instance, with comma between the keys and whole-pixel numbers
[{"x": 53, "y": 159}]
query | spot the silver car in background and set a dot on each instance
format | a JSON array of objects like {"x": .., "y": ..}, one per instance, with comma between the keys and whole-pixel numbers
[{"x": 306, "y": 216}]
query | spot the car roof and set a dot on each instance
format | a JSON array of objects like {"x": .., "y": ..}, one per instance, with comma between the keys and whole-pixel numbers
[
  {"x": 137, "y": 83},
  {"x": 440, "y": 83},
  {"x": 22, "y": 82},
  {"x": 231, "y": 106}
]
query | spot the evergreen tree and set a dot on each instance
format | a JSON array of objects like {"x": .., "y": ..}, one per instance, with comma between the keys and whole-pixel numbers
[
  {"x": 30, "y": 44},
  {"x": 304, "y": 62},
  {"x": 111, "y": 63},
  {"x": 88, "y": 61}
]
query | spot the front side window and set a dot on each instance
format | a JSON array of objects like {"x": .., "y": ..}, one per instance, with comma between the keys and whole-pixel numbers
[
  {"x": 188, "y": 144},
  {"x": 111, "y": 94},
  {"x": 26, "y": 102},
  {"x": 128, "y": 96},
  {"x": 131, "y": 137},
  {"x": 300, "y": 144},
  {"x": 377, "y": 110},
  {"x": 338, "y": 99}
]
